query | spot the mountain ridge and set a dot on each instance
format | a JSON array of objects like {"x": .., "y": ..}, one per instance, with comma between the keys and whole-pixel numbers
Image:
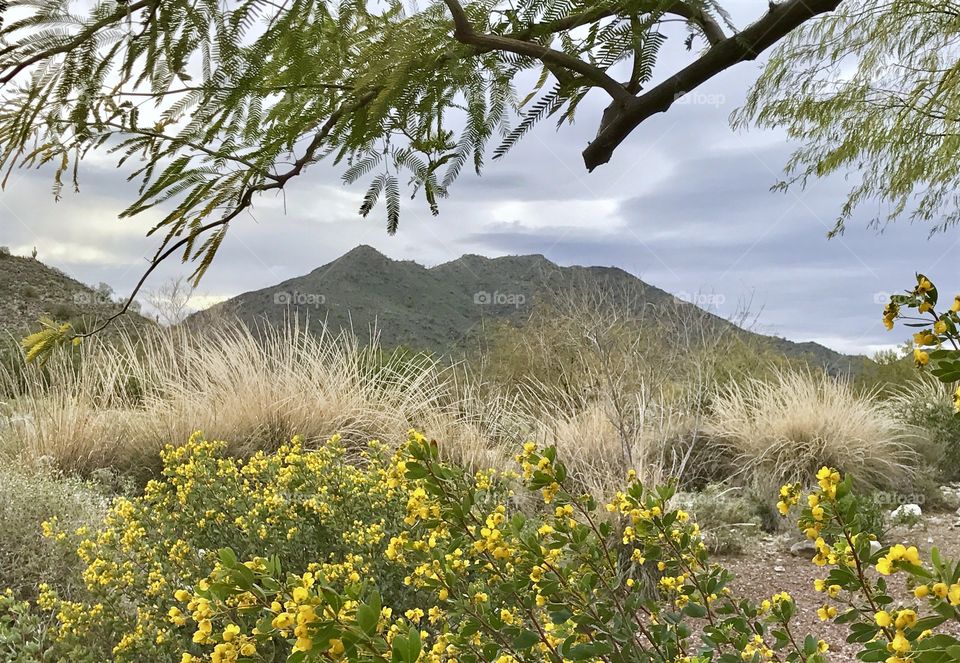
[
  {"x": 438, "y": 308},
  {"x": 31, "y": 290}
]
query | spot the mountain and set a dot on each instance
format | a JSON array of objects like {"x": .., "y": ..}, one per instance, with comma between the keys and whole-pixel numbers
[
  {"x": 440, "y": 308},
  {"x": 30, "y": 290}
]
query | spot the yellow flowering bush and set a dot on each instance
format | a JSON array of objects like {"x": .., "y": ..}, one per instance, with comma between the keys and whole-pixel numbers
[
  {"x": 568, "y": 581},
  {"x": 937, "y": 340},
  {"x": 295, "y": 507},
  {"x": 855, "y": 587},
  {"x": 329, "y": 555}
]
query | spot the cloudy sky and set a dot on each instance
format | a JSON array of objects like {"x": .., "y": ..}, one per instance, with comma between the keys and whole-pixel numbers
[{"x": 685, "y": 205}]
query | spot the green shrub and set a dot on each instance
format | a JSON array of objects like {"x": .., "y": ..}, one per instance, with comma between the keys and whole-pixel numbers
[
  {"x": 29, "y": 497},
  {"x": 23, "y": 632},
  {"x": 728, "y": 517},
  {"x": 928, "y": 404},
  {"x": 409, "y": 559},
  {"x": 565, "y": 583}
]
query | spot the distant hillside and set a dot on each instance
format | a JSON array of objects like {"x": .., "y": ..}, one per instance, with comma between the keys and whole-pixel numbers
[
  {"x": 440, "y": 308},
  {"x": 30, "y": 290}
]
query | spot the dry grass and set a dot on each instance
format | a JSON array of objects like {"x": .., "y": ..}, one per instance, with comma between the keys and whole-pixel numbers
[
  {"x": 120, "y": 404},
  {"x": 785, "y": 428},
  {"x": 123, "y": 401}
]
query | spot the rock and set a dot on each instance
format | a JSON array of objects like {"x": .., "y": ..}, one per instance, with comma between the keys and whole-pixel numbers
[
  {"x": 806, "y": 547},
  {"x": 906, "y": 512}
]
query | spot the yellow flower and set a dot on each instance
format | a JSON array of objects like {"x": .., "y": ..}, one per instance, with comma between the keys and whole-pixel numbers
[
  {"x": 940, "y": 590},
  {"x": 890, "y": 313},
  {"x": 911, "y": 555},
  {"x": 905, "y": 619},
  {"x": 940, "y": 327},
  {"x": 283, "y": 621},
  {"x": 925, "y": 337},
  {"x": 883, "y": 619},
  {"x": 956, "y": 304},
  {"x": 920, "y": 358},
  {"x": 826, "y": 612},
  {"x": 921, "y": 591},
  {"x": 953, "y": 594},
  {"x": 300, "y": 594},
  {"x": 900, "y": 644},
  {"x": 336, "y": 648}
]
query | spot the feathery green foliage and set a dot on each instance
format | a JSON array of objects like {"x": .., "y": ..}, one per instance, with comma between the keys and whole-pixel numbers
[{"x": 875, "y": 88}]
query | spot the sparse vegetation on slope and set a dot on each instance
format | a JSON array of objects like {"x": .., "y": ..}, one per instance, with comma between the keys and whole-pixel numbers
[{"x": 31, "y": 290}]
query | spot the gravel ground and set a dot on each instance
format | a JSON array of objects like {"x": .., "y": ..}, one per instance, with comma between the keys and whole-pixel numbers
[{"x": 771, "y": 568}]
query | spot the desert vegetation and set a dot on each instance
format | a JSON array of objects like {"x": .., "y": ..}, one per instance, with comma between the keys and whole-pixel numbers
[
  {"x": 133, "y": 537},
  {"x": 606, "y": 475}
]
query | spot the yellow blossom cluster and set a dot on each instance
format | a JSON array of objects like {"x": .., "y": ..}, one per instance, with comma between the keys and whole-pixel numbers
[{"x": 308, "y": 507}]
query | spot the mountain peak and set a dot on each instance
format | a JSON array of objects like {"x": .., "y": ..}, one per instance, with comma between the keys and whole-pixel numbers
[{"x": 363, "y": 252}]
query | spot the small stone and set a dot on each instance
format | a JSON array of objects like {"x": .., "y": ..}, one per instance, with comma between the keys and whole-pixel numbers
[
  {"x": 803, "y": 548},
  {"x": 779, "y": 569},
  {"x": 906, "y": 512}
]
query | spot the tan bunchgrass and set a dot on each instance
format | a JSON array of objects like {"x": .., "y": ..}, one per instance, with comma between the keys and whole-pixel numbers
[
  {"x": 125, "y": 399},
  {"x": 115, "y": 403},
  {"x": 785, "y": 428}
]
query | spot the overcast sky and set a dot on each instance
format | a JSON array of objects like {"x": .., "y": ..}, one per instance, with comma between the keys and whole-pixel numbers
[{"x": 685, "y": 205}]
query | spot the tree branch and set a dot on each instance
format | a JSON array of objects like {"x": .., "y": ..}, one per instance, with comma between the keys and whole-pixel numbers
[
  {"x": 711, "y": 29},
  {"x": 123, "y": 10},
  {"x": 465, "y": 34},
  {"x": 782, "y": 19}
]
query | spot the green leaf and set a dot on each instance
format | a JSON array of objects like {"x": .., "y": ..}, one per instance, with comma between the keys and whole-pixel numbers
[
  {"x": 367, "y": 619},
  {"x": 695, "y": 610},
  {"x": 525, "y": 639},
  {"x": 228, "y": 558}
]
